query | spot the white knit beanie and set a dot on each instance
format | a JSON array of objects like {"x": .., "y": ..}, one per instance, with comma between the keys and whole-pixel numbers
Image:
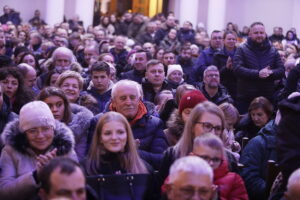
[
  {"x": 172, "y": 68},
  {"x": 35, "y": 114}
]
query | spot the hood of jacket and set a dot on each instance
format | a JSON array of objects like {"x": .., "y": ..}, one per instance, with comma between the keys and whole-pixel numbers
[
  {"x": 175, "y": 124},
  {"x": 63, "y": 138}
]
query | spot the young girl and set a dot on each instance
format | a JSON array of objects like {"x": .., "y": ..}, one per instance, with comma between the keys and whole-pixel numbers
[
  {"x": 76, "y": 117},
  {"x": 113, "y": 149},
  {"x": 230, "y": 185}
]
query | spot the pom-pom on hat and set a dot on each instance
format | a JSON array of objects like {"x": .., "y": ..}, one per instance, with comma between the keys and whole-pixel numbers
[
  {"x": 190, "y": 100},
  {"x": 172, "y": 68},
  {"x": 35, "y": 114}
]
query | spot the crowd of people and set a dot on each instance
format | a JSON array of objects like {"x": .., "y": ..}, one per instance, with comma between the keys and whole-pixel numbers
[{"x": 139, "y": 95}]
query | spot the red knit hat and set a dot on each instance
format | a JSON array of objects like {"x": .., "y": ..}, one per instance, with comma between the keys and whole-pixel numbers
[{"x": 191, "y": 99}]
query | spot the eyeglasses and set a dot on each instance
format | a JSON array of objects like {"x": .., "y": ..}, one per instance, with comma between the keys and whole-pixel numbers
[
  {"x": 35, "y": 131},
  {"x": 208, "y": 159},
  {"x": 213, "y": 75},
  {"x": 208, "y": 127}
]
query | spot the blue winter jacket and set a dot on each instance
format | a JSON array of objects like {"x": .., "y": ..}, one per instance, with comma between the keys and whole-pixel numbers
[{"x": 255, "y": 157}]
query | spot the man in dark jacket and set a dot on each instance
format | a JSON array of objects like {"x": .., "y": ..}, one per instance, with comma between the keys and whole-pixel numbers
[
  {"x": 154, "y": 81},
  {"x": 211, "y": 87},
  {"x": 256, "y": 65},
  {"x": 122, "y": 28},
  {"x": 101, "y": 84},
  {"x": 147, "y": 129},
  {"x": 206, "y": 57},
  {"x": 139, "y": 67},
  {"x": 136, "y": 26},
  {"x": 255, "y": 158},
  {"x": 187, "y": 64},
  {"x": 62, "y": 178},
  {"x": 277, "y": 35},
  {"x": 10, "y": 15},
  {"x": 120, "y": 54},
  {"x": 186, "y": 33},
  {"x": 148, "y": 35}
]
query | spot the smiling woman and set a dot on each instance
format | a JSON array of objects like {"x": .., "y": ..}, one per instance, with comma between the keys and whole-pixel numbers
[
  {"x": 113, "y": 150},
  {"x": 30, "y": 143}
]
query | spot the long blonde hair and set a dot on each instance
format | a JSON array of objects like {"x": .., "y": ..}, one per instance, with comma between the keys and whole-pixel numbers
[
  {"x": 129, "y": 158},
  {"x": 185, "y": 144}
]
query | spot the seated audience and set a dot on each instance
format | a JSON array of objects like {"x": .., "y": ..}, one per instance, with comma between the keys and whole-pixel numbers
[
  {"x": 76, "y": 117},
  {"x": 30, "y": 143}
]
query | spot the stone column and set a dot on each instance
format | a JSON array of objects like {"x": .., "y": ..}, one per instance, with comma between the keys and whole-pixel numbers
[
  {"x": 85, "y": 10},
  {"x": 54, "y": 11},
  {"x": 216, "y": 15},
  {"x": 188, "y": 11}
]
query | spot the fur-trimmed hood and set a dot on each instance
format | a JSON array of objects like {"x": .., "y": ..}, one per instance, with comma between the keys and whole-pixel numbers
[
  {"x": 175, "y": 128},
  {"x": 175, "y": 124},
  {"x": 63, "y": 138}
]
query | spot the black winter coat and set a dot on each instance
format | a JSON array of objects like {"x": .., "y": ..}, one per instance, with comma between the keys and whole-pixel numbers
[
  {"x": 291, "y": 82},
  {"x": 246, "y": 128},
  {"x": 133, "y": 75},
  {"x": 149, "y": 93},
  {"x": 288, "y": 148},
  {"x": 249, "y": 59}
]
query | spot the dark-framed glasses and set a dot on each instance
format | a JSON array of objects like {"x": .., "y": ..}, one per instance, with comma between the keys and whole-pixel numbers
[{"x": 208, "y": 127}]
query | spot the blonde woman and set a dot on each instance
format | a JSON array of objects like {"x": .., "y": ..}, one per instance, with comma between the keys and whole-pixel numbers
[
  {"x": 113, "y": 149},
  {"x": 206, "y": 117}
]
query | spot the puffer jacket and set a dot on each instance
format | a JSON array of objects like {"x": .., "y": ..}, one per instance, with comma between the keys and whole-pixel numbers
[
  {"x": 255, "y": 158},
  {"x": 230, "y": 185},
  {"x": 248, "y": 60},
  {"x": 18, "y": 161},
  {"x": 79, "y": 125}
]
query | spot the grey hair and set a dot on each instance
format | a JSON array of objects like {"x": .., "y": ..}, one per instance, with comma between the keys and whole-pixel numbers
[
  {"x": 191, "y": 164},
  {"x": 128, "y": 83},
  {"x": 295, "y": 176},
  {"x": 65, "y": 51},
  {"x": 210, "y": 68}
]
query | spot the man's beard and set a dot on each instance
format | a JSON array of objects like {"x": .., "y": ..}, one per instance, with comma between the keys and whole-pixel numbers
[{"x": 213, "y": 85}]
